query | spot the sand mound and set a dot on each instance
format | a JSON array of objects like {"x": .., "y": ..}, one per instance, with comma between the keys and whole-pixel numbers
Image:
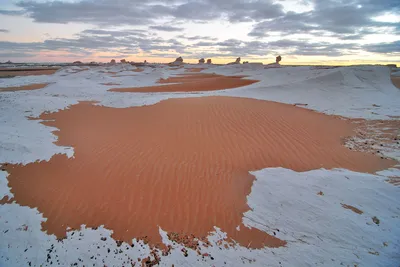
[
  {"x": 192, "y": 82},
  {"x": 182, "y": 165},
  {"x": 35, "y": 86}
]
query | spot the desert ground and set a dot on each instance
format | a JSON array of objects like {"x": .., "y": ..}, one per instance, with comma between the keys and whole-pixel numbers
[{"x": 200, "y": 165}]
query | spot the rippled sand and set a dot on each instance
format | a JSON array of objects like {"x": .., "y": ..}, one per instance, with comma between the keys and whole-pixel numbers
[
  {"x": 181, "y": 164},
  {"x": 192, "y": 82}
]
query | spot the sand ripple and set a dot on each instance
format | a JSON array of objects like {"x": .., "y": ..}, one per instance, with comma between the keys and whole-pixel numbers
[{"x": 182, "y": 165}]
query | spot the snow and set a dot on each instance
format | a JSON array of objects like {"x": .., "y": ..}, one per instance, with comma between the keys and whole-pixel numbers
[{"x": 319, "y": 231}]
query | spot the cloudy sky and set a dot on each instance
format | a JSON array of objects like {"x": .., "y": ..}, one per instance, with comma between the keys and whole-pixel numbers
[{"x": 302, "y": 31}]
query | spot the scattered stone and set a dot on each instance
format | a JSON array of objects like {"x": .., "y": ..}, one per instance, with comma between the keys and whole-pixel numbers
[
  {"x": 320, "y": 193},
  {"x": 201, "y": 61},
  {"x": 376, "y": 253},
  {"x": 375, "y": 220}
]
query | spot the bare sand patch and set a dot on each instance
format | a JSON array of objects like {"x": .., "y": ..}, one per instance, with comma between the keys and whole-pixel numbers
[
  {"x": 138, "y": 70},
  {"x": 7, "y": 72},
  {"x": 353, "y": 209},
  {"x": 192, "y": 83},
  {"x": 35, "y": 86},
  {"x": 396, "y": 81},
  {"x": 195, "y": 69},
  {"x": 181, "y": 164}
]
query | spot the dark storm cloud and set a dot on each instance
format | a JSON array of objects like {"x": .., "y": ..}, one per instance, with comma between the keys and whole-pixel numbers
[{"x": 4, "y": 30}]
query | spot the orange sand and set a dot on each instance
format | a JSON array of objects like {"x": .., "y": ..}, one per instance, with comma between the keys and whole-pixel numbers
[
  {"x": 195, "y": 69},
  {"x": 182, "y": 165},
  {"x": 192, "y": 82},
  {"x": 138, "y": 70},
  {"x": 24, "y": 88},
  {"x": 353, "y": 209},
  {"x": 25, "y": 72},
  {"x": 396, "y": 81}
]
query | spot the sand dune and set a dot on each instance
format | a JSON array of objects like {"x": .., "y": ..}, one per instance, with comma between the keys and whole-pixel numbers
[
  {"x": 182, "y": 165},
  {"x": 192, "y": 82},
  {"x": 35, "y": 86}
]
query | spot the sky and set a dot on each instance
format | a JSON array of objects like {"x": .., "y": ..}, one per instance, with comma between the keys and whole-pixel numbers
[{"x": 328, "y": 32}]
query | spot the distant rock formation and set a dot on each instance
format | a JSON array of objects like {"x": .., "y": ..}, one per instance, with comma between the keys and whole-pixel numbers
[
  {"x": 145, "y": 62},
  {"x": 123, "y": 61},
  {"x": 236, "y": 62},
  {"x": 276, "y": 64},
  {"x": 178, "y": 61},
  {"x": 209, "y": 61},
  {"x": 77, "y": 62},
  {"x": 8, "y": 62},
  {"x": 112, "y": 61},
  {"x": 201, "y": 61},
  {"x": 245, "y": 62}
]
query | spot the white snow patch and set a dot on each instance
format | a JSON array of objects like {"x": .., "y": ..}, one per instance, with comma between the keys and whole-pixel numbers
[{"x": 318, "y": 229}]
